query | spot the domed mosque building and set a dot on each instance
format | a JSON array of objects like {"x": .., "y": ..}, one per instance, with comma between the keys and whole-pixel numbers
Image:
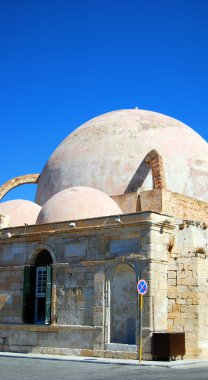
[{"x": 120, "y": 220}]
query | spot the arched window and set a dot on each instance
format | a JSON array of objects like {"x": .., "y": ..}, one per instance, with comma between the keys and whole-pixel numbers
[{"x": 37, "y": 290}]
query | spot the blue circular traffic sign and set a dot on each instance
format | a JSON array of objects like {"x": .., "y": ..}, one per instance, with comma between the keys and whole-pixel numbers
[{"x": 142, "y": 287}]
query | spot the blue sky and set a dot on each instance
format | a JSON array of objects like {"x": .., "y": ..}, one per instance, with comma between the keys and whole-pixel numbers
[{"x": 63, "y": 62}]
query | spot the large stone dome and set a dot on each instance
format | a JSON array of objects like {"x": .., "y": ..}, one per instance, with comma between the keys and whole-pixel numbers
[
  {"x": 20, "y": 212},
  {"x": 108, "y": 151},
  {"x": 77, "y": 203}
]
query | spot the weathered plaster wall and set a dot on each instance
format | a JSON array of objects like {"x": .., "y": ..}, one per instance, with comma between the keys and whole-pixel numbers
[{"x": 127, "y": 202}]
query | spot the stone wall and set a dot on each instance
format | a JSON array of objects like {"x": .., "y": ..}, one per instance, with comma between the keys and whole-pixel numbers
[
  {"x": 188, "y": 286},
  {"x": 75, "y": 295},
  {"x": 165, "y": 202},
  {"x": 11, "y": 284},
  {"x": 60, "y": 340},
  {"x": 178, "y": 205},
  {"x": 82, "y": 258}
]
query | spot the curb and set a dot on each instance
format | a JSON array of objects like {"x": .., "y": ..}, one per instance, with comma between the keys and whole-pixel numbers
[{"x": 84, "y": 359}]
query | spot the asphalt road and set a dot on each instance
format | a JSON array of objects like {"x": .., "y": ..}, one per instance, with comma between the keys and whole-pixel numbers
[{"x": 41, "y": 369}]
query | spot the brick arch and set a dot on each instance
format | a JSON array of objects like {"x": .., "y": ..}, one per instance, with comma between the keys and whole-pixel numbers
[
  {"x": 18, "y": 181},
  {"x": 154, "y": 159}
]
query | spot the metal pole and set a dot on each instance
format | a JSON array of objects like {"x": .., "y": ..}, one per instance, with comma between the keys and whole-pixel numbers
[
  {"x": 54, "y": 304},
  {"x": 137, "y": 327},
  {"x": 140, "y": 326}
]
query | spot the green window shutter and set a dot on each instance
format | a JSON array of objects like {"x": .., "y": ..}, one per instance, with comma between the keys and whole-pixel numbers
[
  {"x": 48, "y": 295},
  {"x": 28, "y": 295}
]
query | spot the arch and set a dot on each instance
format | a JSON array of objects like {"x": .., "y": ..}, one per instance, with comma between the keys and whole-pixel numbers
[
  {"x": 37, "y": 289},
  {"x": 154, "y": 159},
  {"x": 18, "y": 181},
  {"x": 154, "y": 162},
  {"x": 121, "y": 308},
  {"x": 37, "y": 249},
  {"x": 43, "y": 259},
  {"x": 112, "y": 267}
]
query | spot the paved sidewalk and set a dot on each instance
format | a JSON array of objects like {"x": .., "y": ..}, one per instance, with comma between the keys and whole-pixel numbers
[{"x": 167, "y": 364}]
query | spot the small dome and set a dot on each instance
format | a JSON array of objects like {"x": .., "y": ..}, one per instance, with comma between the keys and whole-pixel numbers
[
  {"x": 77, "y": 203},
  {"x": 107, "y": 152},
  {"x": 20, "y": 211}
]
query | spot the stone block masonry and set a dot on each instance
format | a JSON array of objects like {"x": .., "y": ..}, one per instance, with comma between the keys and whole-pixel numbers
[{"x": 188, "y": 288}]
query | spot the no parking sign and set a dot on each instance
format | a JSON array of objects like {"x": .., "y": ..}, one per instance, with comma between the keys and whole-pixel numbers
[{"x": 142, "y": 287}]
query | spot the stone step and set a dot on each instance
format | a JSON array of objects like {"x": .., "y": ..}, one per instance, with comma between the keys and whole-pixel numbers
[{"x": 121, "y": 347}]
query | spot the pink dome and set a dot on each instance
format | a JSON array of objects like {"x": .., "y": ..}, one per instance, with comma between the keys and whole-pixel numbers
[
  {"x": 20, "y": 211},
  {"x": 77, "y": 203},
  {"x": 108, "y": 151}
]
